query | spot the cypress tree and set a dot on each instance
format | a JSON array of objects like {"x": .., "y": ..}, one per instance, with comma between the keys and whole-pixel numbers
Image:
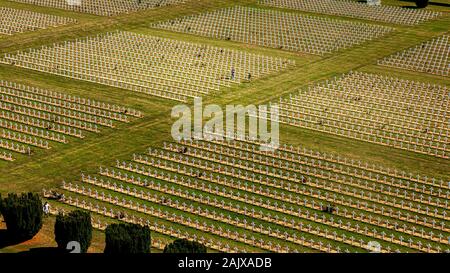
[
  {"x": 75, "y": 226},
  {"x": 184, "y": 246},
  {"x": 22, "y": 215},
  {"x": 127, "y": 239}
]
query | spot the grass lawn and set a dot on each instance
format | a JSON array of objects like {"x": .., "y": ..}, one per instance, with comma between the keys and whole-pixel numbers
[{"x": 47, "y": 169}]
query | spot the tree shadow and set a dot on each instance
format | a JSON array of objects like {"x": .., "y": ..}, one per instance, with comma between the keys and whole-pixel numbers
[
  {"x": 44, "y": 251},
  {"x": 429, "y": 3},
  {"x": 7, "y": 240}
]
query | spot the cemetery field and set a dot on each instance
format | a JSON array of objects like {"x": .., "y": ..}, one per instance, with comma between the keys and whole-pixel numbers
[{"x": 48, "y": 168}]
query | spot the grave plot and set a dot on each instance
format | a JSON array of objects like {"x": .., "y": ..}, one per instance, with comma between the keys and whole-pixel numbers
[
  {"x": 276, "y": 29},
  {"x": 388, "y": 111},
  {"x": 102, "y": 7},
  {"x": 32, "y": 118},
  {"x": 156, "y": 66},
  {"x": 17, "y": 21},
  {"x": 349, "y": 8},
  {"x": 158, "y": 239},
  {"x": 430, "y": 57},
  {"x": 6, "y": 154},
  {"x": 290, "y": 200}
]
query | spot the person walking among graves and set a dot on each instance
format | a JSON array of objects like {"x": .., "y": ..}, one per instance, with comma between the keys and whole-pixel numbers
[{"x": 46, "y": 208}]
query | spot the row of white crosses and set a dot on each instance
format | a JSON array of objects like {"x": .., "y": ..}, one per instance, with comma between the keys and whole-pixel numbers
[
  {"x": 254, "y": 211},
  {"x": 158, "y": 243},
  {"x": 22, "y": 98},
  {"x": 212, "y": 214},
  {"x": 155, "y": 227},
  {"x": 317, "y": 205},
  {"x": 153, "y": 65},
  {"x": 102, "y": 7},
  {"x": 270, "y": 193},
  {"x": 15, "y": 147},
  {"x": 315, "y": 184},
  {"x": 17, "y": 21},
  {"x": 277, "y": 29},
  {"x": 12, "y": 101},
  {"x": 350, "y": 8},
  {"x": 42, "y": 114},
  {"x": 181, "y": 218},
  {"x": 294, "y": 199},
  {"x": 429, "y": 57},
  {"x": 392, "y": 112},
  {"x": 76, "y": 122},
  {"x": 32, "y": 131},
  {"x": 245, "y": 239},
  {"x": 216, "y": 215},
  {"x": 335, "y": 161},
  {"x": 96, "y": 223},
  {"x": 26, "y": 139},
  {"x": 291, "y": 170},
  {"x": 84, "y": 104},
  {"x": 413, "y": 182}
]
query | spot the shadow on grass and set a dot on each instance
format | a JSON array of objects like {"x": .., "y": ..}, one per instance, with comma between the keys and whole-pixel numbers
[
  {"x": 7, "y": 240},
  {"x": 405, "y": 7}
]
